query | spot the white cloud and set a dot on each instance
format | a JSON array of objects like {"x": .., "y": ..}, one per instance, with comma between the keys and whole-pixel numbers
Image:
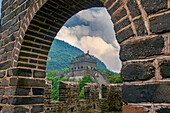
[{"x": 98, "y": 37}]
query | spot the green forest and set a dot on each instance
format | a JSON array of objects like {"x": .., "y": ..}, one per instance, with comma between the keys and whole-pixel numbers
[{"x": 60, "y": 56}]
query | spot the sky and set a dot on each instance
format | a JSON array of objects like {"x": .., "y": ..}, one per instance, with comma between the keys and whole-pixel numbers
[{"x": 92, "y": 30}]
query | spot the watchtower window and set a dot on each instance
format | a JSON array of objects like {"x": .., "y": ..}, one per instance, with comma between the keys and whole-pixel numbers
[
  {"x": 81, "y": 67},
  {"x": 78, "y": 67},
  {"x": 71, "y": 68},
  {"x": 91, "y": 67},
  {"x": 75, "y": 68}
]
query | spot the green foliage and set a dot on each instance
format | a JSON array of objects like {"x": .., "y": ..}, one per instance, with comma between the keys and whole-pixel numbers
[
  {"x": 85, "y": 79},
  {"x": 112, "y": 77},
  {"x": 61, "y": 54},
  {"x": 52, "y": 75}
]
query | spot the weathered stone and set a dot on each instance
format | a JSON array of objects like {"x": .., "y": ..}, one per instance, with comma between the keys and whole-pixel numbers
[
  {"x": 140, "y": 27},
  {"x": 109, "y": 3},
  {"x": 38, "y": 91},
  {"x": 133, "y": 109},
  {"x": 165, "y": 69},
  {"x": 8, "y": 109},
  {"x": 142, "y": 49},
  {"x": 2, "y": 51},
  {"x": 2, "y": 74},
  {"x": 115, "y": 7},
  {"x": 153, "y": 6},
  {"x": 20, "y": 110},
  {"x": 37, "y": 109},
  {"x": 26, "y": 82},
  {"x": 25, "y": 100},
  {"x": 160, "y": 24},
  {"x": 156, "y": 93},
  {"x": 39, "y": 74},
  {"x": 9, "y": 47},
  {"x": 4, "y": 82},
  {"x": 5, "y": 65},
  {"x": 122, "y": 24},
  {"x": 19, "y": 72},
  {"x": 3, "y": 100},
  {"x": 1, "y": 91},
  {"x": 119, "y": 15},
  {"x": 138, "y": 71},
  {"x": 17, "y": 91},
  {"x": 163, "y": 110},
  {"x": 133, "y": 7},
  {"x": 4, "y": 57}
]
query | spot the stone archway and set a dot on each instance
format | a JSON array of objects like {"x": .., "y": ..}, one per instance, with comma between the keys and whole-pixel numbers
[{"x": 29, "y": 26}]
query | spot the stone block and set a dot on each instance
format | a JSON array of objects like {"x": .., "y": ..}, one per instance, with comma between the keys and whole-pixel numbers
[
  {"x": 4, "y": 82},
  {"x": 17, "y": 91},
  {"x": 140, "y": 27},
  {"x": 1, "y": 91},
  {"x": 142, "y": 48},
  {"x": 119, "y": 15},
  {"x": 25, "y": 100},
  {"x": 37, "y": 109},
  {"x": 8, "y": 109},
  {"x": 122, "y": 24},
  {"x": 39, "y": 74},
  {"x": 2, "y": 74},
  {"x": 160, "y": 24},
  {"x": 153, "y": 6},
  {"x": 2, "y": 51},
  {"x": 9, "y": 47},
  {"x": 19, "y": 72},
  {"x": 115, "y": 7},
  {"x": 138, "y": 71},
  {"x": 156, "y": 93},
  {"x": 109, "y": 3},
  {"x": 38, "y": 91},
  {"x": 163, "y": 110},
  {"x": 133, "y": 109},
  {"x": 20, "y": 110},
  {"x": 165, "y": 69},
  {"x": 27, "y": 82},
  {"x": 134, "y": 9},
  {"x": 3, "y": 100}
]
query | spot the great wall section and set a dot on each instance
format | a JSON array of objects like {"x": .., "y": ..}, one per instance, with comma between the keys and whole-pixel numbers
[{"x": 28, "y": 28}]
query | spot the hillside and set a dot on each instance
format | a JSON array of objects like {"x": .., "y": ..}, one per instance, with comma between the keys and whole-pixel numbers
[{"x": 60, "y": 55}]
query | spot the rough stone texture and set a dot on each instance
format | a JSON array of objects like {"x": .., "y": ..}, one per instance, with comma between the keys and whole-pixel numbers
[
  {"x": 153, "y": 6},
  {"x": 156, "y": 93},
  {"x": 138, "y": 71},
  {"x": 133, "y": 109},
  {"x": 19, "y": 72},
  {"x": 1, "y": 91},
  {"x": 39, "y": 74},
  {"x": 160, "y": 24},
  {"x": 20, "y": 110},
  {"x": 142, "y": 49},
  {"x": 165, "y": 69},
  {"x": 38, "y": 91},
  {"x": 37, "y": 109},
  {"x": 122, "y": 24},
  {"x": 133, "y": 7},
  {"x": 163, "y": 110},
  {"x": 27, "y": 82},
  {"x": 17, "y": 91},
  {"x": 119, "y": 15},
  {"x": 25, "y": 100},
  {"x": 125, "y": 34},
  {"x": 115, "y": 7},
  {"x": 2, "y": 74},
  {"x": 140, "y": 27}
]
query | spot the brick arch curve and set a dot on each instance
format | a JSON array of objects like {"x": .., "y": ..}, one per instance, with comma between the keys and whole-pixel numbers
[{"x": 142, "y": 29}]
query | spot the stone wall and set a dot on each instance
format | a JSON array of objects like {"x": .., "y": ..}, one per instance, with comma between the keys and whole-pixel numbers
[
  {"x": 68, "y": 99},
  {"x": 143, "y": 31},
  {"x": 26, "y": 34}
]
